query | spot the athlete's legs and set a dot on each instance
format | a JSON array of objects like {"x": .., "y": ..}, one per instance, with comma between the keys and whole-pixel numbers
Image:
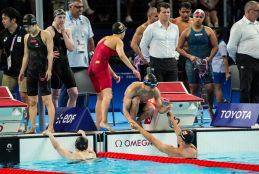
[
  {"x": 51, "y": 111},
  {"x": 214, "y": 17},
  {"x": 210, "y": 97},
  {"x": 186, "y": 85},
  {"x": 33, "y": 100},
  {"x": 218, "y": 92},
  {"x": 98, "y": 109},
  {"x": 134, "y": 110},
  {"x": 107, "y": 96},
  {"x": 73, "y": 93},
  {"x": 149, "y": 110},
  {"x": 134, "y": 107},
  {"x": 55, "y": 96},
  {"x": 207, "y": 17},
  {"x": 194, "y": 89}
]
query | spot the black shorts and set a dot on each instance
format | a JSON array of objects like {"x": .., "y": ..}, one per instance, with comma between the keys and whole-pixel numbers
[
  {"x": 182, "y": 76},
  {"x": 140, "y": 109},
  {"x": 35, "y": 77}
]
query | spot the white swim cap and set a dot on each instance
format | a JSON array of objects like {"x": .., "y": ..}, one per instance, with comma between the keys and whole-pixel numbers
[{"x": 199, "y": 11}]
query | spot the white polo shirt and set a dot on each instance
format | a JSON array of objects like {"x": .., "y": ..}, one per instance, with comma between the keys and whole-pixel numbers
[
  {"x": 162, "y": 42},
  {"x": 217, "y": 61},
  {"x": 79, "y": 59},
  {"x": 244, "y": 39}
]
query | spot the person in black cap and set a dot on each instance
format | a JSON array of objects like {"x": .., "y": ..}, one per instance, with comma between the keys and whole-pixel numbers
[
  {"x": 83, "y": 150},
  {"x": 100, "y": 72},
  {"x": 184, "y": 137},
  {"x": 38, "y": 56},
  {"x": 62, "y": 38},
  {"x": 135, "y": 101}
]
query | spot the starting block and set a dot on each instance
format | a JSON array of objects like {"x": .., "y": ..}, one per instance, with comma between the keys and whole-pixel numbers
[
  {"x": 185, "y": 108},
  {"x": 11, "y": 112}
]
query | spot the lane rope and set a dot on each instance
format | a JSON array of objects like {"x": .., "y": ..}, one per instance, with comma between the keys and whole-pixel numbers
[
  {"x": 21, "y": 171},
  {"x": 205, "y": 163}
]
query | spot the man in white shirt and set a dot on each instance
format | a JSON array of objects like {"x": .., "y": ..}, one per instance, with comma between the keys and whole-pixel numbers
[
  {"x": 162, "y": 37},
  {"x": 82, "y": 36},
  {"x": 243, "y": 48}
]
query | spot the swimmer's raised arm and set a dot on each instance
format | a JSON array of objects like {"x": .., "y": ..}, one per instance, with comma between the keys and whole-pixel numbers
[
  {"x": 177, "y": 129},
  {"x": 161, "y": 109},
  {"x": 165, "y": 148},
  {"x": 62, "y": 152}
]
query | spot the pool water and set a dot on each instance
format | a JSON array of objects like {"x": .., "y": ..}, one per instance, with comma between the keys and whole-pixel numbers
[{"x": 108, "y": 165}]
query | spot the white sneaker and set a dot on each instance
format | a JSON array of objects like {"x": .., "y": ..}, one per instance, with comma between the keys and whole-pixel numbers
[
  {"x": 89, "y": 11},
  {"x": 216, "y": 24},
  {"x": 128, "y": 19},
  {"x": 210, "y": 25}
]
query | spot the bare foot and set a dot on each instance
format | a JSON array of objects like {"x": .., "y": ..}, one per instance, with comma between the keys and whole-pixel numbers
[
  {"x": 48, "y": 130},
  {"x": 195, "y": 120},
  {"x": 211, "y": 113},
  {"x": 31, "y": 131},
  {"x": 107, "y": 126}
]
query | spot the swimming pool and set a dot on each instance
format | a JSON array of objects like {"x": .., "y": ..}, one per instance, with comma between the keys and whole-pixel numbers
[{"x": 108, "y": 165}]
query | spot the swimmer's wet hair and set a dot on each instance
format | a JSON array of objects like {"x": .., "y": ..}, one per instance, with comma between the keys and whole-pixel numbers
[
  {"x": 164, "y": 5},
  {"x": 81, "y": 143},
  {"x": 186, "y": 5}
]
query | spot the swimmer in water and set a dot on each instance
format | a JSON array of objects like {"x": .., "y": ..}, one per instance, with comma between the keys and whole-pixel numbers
[
  {"x": 184, "y": 137},
  {"x": 83, "y": 150}
]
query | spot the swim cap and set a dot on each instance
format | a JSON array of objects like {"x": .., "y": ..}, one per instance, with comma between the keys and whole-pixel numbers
[
  {"x": 187, "y": 136},
  {"x": 199, "y": 11},
  {"x": 59, "y": 12},
  {"x": 81, "y": 143},
  {"x": 29, "y": 19},
  {"x": 150, "y": 80},
  {"x": 118, "y": 28}
]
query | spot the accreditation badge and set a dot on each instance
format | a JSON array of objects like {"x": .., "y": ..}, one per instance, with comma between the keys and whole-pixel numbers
[{"x": 80, "y": 46}]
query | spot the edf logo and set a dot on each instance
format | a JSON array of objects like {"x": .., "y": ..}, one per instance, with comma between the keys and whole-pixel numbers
[{"x": 66, "y": 119}]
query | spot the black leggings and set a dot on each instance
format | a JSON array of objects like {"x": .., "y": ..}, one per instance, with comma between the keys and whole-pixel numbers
[{"x": 64, "y": 73}]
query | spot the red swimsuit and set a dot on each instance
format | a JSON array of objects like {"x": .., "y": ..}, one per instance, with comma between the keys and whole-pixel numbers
[{"x": 98, "y": 69}]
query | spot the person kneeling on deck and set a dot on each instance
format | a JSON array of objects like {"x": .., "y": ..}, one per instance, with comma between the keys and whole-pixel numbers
[
  {"x": 184, "y": 138},
  {"x": 135, "y": 101},
  {"x": 83, "y": 150}
]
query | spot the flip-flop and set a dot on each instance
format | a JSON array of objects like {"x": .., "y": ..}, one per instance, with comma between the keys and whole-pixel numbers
[{"x": 103, "y": 129}]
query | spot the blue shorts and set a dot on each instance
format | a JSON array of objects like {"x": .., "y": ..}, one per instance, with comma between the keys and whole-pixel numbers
[
  {"x": 193, "y": 76},
  {"x": 140, "y": 109},
  {"x": 219, "y": 77}
]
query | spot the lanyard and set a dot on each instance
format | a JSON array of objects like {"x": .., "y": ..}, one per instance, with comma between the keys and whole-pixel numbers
[
  {"x": 71, "y": 19},
  {"x": 11, "y": 49}
]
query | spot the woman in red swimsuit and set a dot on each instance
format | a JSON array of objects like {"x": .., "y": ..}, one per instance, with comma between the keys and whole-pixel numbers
[{"x": 100, "y": 72}]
